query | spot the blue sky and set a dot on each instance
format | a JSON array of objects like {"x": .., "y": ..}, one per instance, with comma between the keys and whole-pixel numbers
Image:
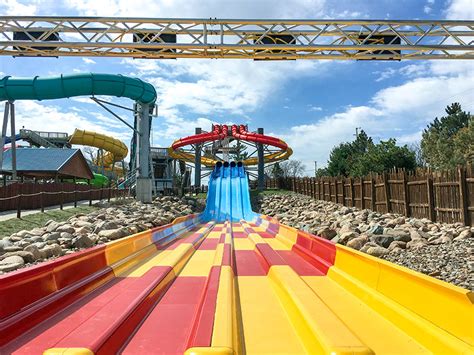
[{"x": 313, "y": 105}]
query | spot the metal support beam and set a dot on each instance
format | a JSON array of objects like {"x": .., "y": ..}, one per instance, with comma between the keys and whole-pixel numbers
[
  {"x": 13, "y": 139},
  {"x": 143, "y": 187},
  {"x": 236, "y": 38},
  {"x": 261, "y": 164},
  {"x": 6, "y": 113},
  {"x": 197, "y": 162}
]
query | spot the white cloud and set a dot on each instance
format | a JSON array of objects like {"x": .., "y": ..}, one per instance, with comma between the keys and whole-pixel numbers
[
  {"x": 88, "y": 60},
  {"x": 427, "y": 10},
  {"x": 314, "y": 108},
  {"x": 401, "y": 111},
  {"x": 214, "y": 88},
  {"x": 197, "y": 8},
  {"x": 16, "y": 8},
  {"x": 460, "y": 10}
]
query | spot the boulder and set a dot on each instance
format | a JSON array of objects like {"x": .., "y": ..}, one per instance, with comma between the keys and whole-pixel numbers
[
  {"x": 375, "y": 229},
  {"x": 67, "y": 228},
  {"x": 12, "y": 248},
  {"x": 25, "y": 255},
  {"x": 23, "y": 233},
  {"x": 377, "y": 251},
  {"x": 397, "y": 244},
  {"x": 357, "y": 243},
  {"x": 35, "y": 251},
  {"x": 52, "y": 236},
  {"x": 112, "y": 234},
  {"x": 52, "y": 250},
  {"x": 463, "y": 235},
  {"x": 367, "y": 246},
  {"x": 346, "y": 237},
  {"x": 416, "y": 244},
  {"x": 11, "y": 263},
  {"x": 382, "y": 240},
  {"x": 4, "y": 243},
  {"x": 398, "y": 235},
  {"x": 82, "y": 241},
  {"x": 51, "y": 226},
  {"x": 327, "y": 233}
]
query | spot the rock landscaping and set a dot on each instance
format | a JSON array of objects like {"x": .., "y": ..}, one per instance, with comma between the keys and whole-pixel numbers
[
  {"x": 81, "y": 231},
  {"x": 444, "y": 251}
]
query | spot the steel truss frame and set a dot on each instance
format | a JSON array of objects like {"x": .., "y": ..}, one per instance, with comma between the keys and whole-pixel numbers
[{"x": 241, "y": 39}]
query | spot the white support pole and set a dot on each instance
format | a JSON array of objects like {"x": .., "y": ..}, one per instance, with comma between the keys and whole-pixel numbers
[{"x": 143, "y": 187}]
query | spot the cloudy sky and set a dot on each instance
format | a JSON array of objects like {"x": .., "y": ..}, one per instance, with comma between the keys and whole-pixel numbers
[{"x": 313, "y": 105}]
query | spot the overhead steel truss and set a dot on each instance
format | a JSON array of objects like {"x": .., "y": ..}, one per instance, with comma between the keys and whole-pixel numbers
[{"x": 251, "y": 39}]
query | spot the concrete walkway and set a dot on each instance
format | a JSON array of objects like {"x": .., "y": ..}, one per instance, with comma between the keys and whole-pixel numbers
[{"x": 12, "y": 214}]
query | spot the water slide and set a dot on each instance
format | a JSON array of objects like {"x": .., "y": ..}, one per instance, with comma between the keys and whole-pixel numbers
[
  {"x": 8, "y": 139},
  {"x": 229, "y": 197},
  {"x": 213, "y": 284},
  {"x": 115, "y": 149},
  {"x": 65, "y": 86},
  {"x": 219, "y": 132}
]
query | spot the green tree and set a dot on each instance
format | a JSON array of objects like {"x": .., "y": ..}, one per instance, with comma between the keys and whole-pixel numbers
[
  {"x": 343, "y": 157},
  {"x": 384, "y": 156},
  {"x": 362, "y": 156},
  {"x": 277, "y": 171},
  {"x": 464, "y": 144},
  {"x": 239, "y": 152},
  {"x": 445, "y": 141}
]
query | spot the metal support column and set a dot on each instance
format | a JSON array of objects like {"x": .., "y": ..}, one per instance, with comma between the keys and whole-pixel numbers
[
  {"x": 197, "y": 163},
  {"x": 13, "y": 139},
  {"x": 6, "y": 113},
  {"x": 143, "y": 187},
  {"x": 261, "y": 171}
]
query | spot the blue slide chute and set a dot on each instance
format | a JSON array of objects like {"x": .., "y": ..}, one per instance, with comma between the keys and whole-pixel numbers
[{"x": 228, "y": 198}]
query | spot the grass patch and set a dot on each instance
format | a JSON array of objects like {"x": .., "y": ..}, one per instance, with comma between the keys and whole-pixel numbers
[{"x": 34, "y": 220}]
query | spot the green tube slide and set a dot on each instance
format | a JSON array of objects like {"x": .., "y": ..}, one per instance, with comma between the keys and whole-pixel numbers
[{"x": 64, "y": 86}]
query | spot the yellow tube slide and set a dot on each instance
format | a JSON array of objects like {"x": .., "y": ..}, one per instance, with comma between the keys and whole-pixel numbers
[{"x": 116, "y": 149}]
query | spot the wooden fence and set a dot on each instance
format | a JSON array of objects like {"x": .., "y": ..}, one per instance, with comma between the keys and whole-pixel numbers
[
  {"x": 24, "y": 196},
  {"x": 446, "y": 196}
]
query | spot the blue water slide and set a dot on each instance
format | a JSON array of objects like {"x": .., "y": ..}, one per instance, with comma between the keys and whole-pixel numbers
[
  {"x": 8, "y": 139},
  {"x": 228, "y": 198}
]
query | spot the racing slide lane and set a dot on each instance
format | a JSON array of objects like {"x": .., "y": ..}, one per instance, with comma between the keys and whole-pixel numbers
[
  {"x": 228, "y": 198},
  {"x": 200, "y": 286}
]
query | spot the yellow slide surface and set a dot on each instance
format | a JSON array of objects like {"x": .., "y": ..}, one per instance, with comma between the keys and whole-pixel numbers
[{"x": 116, "y": 149}]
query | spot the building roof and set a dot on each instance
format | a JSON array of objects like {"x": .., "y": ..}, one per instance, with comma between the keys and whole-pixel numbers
[{"x": 48, "y": 162}]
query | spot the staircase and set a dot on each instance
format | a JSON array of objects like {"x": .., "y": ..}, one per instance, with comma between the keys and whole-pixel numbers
[{"x": 38, "y": 138}]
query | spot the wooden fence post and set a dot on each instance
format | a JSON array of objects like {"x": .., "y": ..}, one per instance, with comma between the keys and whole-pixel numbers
[
  {"x": 431, "y": 206},
  {"x": 90, "y": 193},
  {"x": 406, "y": 195},
  {"x": 344, "y": 192},
  {"x": 373, "y": 193},
  {"x": 61, "y": 185},
  {"x": 463, "y": 195},
  {"x": 18, "y": 202},
  {"x": 387, "y": 191},
  {"x": 75, "y": 196},
  {"x": 41, "y": 199},
  {"x": 351, "y": 189},
  {"x": 362, "y": 198}
]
